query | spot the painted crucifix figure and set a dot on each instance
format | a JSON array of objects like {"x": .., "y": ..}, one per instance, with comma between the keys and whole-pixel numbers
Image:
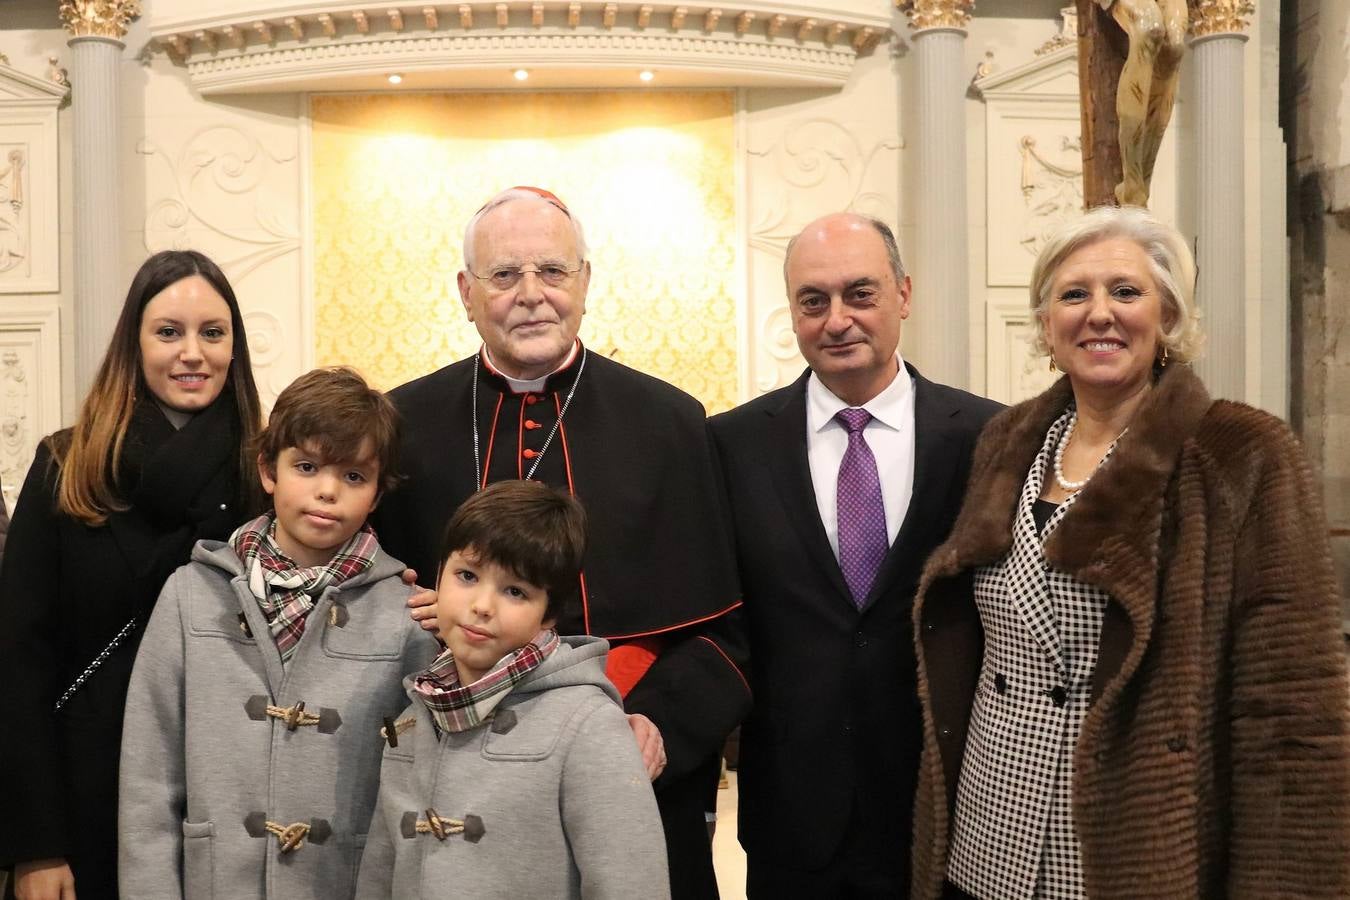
[{"x": 1143, "y": 85}]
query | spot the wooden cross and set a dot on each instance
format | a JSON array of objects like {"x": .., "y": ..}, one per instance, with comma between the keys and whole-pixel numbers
[{"x": 1102, "y": 48}]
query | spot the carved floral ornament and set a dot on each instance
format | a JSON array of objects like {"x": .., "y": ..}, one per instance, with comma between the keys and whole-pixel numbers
[
  {"x": 1220, "y": 16},
  {"x": 99, "y": 18},
  {"x": 937, "y": 13}
]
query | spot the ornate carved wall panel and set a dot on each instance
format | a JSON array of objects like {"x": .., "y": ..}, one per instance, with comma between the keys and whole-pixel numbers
[
  {"x": 1014, "y": 373},
  {"x": 651, "y": 175},
  {"x": 809, "y": 154},
  {"x": 29, "y": 230},
  {"x": 225, "y": 179},
  {"x": 1033, "y": 160},
  {"x": 30, "y": 389},
  {"x": 1034, "y": 183}
]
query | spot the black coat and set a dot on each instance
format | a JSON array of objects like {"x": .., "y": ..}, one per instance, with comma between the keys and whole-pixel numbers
[
  {"x": 66, "y": 589},
  {"x": 635, "y": 451},
  {"x": 836, "y": 730}
]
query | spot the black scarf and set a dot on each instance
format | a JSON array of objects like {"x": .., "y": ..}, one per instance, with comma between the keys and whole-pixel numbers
[{"x": 182, "y": 485}]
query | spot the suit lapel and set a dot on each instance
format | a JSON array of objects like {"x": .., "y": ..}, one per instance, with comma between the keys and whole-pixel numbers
[
  {"x": 937, "y": 452},
  {"x": 791, "y": 469}
]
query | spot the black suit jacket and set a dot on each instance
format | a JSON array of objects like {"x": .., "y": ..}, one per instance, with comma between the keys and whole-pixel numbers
[{"x": 835, "y": 734}]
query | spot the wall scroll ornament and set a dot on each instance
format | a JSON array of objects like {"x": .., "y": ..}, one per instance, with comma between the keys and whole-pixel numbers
[
  {"x": 814, "y": 164},
  {"x": 99, "y": 18},
  {"x": 1220, "y": 16},
  {"x": 218, "y": 183},
  {"x": 937, "y": 13},
  {"x": 819, "y": 156},
  {"x": 1052, "y": 192}
]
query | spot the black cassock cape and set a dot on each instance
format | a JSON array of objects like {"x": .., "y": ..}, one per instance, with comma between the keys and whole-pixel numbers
[{"x": 658, "y": 570}]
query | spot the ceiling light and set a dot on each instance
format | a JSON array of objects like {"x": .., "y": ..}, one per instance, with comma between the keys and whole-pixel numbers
[
  {"x": 646, "y": 75},
  {"x": 396, "y": 78},
  {"x": 521, "y": 74}
]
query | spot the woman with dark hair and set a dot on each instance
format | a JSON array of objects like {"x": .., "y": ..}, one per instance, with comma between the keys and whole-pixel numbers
[
  {"x": 1130, "y": 656},
  {"x": 158, "y": 458}
]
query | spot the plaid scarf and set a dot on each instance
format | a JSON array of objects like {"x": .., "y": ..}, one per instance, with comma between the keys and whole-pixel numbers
[
  {"x": 459, "y": 707},
  {"x": 287, "y": 592}
]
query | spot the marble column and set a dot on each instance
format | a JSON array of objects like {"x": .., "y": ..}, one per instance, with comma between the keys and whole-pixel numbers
[
  {"x": 941, "y": 266},
  {"x": 97, "y": 27},
  {"x": 1217, "y": 42}
]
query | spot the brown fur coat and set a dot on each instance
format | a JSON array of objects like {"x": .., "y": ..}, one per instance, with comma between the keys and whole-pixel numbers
[{"x": 1215, "y": 758}]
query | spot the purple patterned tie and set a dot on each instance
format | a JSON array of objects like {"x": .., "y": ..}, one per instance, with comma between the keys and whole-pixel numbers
[{"x": 861, "y": 512}]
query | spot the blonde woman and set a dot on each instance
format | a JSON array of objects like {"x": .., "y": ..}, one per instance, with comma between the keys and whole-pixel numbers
[
  {"x": 110, "y": 508},
  {"x": 1130, "y": 657}
]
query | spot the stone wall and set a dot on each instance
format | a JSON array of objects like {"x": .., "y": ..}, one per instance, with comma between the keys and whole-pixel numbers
[{"x": 1315, "y": 104}]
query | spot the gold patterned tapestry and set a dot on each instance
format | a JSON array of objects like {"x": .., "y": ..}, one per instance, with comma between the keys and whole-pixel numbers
[{"x": 651, "y": 175}]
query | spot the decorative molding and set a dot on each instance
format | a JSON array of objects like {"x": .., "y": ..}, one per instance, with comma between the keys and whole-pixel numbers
[
  {"x": 1068, "y": 32},
  {"x": 99, "y": 18},
  {"x": 730, "y": 61},
  {"x": 56, "y": 74},
  {"x": 564, "y": 43},
  {"x": 925, "y": 14},
  {"x": 19, "y": 90},
  {"x": 1052, "y": 77},
  {"x": 1013, "y": 373},
  {"x": 29, "y": 205},
  {"x": 30, "y": 390},
  {"x": 1212, "y": 17}
]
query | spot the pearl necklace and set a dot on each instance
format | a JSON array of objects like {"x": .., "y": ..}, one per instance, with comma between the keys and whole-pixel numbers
[{"x": 1066, "y": 484}]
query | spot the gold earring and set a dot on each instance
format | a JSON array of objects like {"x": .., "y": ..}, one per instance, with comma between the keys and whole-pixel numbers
[
  {"x": 1052, "y": 362},
  {"x": 1162, "y": 363}
]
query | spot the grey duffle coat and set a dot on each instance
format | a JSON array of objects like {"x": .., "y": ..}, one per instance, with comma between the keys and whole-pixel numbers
[
  {"x": 206, "y": 767},
  {"x": 551, "y": 793}
]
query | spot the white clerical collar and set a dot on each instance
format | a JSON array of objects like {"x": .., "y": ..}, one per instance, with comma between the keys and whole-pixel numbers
[
  {"x": 531, "y": 385},
  {"x": 888, "y": 407}
]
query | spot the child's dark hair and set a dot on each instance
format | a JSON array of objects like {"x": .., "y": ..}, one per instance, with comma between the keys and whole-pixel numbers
[
  {"x": 331, "y": 413},
  {"x": 527, "y": 528}
]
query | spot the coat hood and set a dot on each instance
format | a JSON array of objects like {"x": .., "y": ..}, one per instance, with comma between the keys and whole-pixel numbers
[{"x": 579, "y": 659}]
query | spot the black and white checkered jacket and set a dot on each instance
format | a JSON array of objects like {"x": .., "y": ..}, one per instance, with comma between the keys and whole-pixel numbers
[{"x": 1013, "y": 831}]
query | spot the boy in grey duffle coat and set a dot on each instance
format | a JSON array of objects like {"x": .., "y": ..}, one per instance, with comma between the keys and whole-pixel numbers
[
  {"x": 251, "y": 744},
  {"x": 515, "y": 774}
]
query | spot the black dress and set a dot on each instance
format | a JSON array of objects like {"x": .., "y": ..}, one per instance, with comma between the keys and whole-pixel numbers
[
  {"x": 635, "y": 451},
  {"x": 66, "y": 589}
]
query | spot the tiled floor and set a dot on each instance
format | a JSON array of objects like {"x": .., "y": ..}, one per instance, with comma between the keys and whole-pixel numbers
[{"x": 728, "y": 858}]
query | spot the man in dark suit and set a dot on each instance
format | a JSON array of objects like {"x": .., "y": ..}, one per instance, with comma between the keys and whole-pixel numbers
[{"x": 839, "y": 486}]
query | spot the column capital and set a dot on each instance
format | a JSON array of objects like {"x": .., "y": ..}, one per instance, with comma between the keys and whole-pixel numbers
[
  {"x": 925, "y": 14},
  {"x": 99, "y": 18},
  {"x": 1211, "y": 17}
]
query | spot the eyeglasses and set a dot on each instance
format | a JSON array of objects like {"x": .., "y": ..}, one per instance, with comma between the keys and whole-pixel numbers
[{"x": 503, "y": 278}]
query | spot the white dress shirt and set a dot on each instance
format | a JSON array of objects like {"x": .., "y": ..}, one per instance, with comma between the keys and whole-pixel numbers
[{"x": 890, "y": 434}]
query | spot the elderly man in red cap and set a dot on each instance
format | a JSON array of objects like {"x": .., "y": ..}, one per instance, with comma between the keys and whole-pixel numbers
[{"x": 533, "y": 403}]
